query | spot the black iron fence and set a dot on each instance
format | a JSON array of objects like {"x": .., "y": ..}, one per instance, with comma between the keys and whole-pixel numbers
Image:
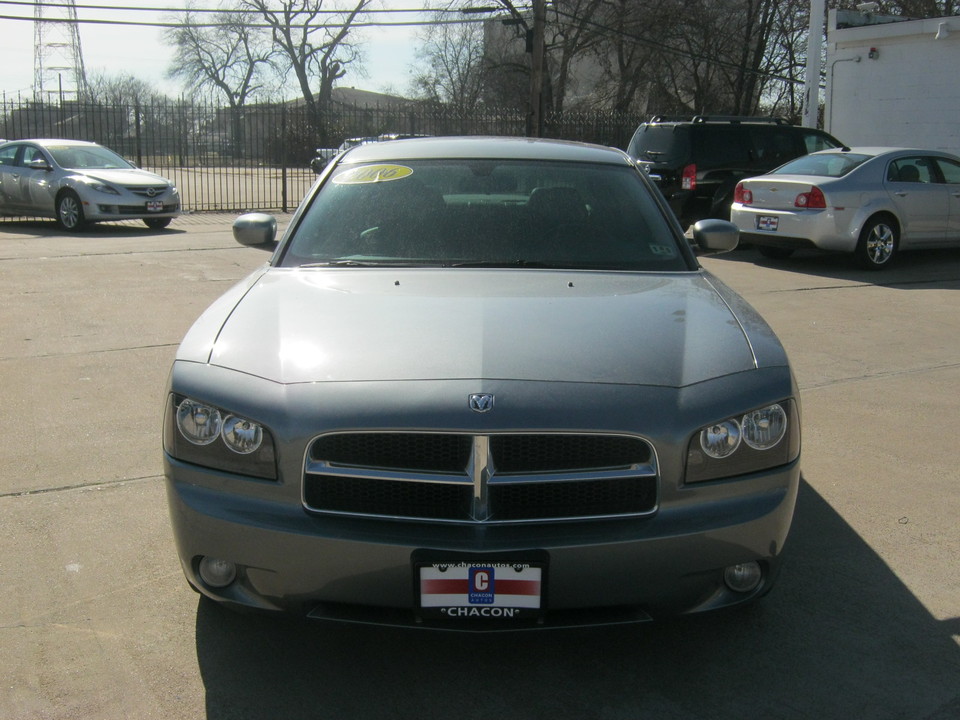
[{"x": 258, "y": 157}]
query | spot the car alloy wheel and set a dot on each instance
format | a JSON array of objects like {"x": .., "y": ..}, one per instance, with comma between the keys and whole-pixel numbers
[
  {"x": 70, "y": 211},
  {"x": 878, "y": 244}
]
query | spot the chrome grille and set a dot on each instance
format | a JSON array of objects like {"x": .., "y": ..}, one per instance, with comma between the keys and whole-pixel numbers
[
  {"x": 148, "y": 192},
  {"x": 492, "y": 479}
]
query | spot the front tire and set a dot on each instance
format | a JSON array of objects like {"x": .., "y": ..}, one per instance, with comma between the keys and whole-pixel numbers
[
  {"x": 70, "y": 212},
  {"x": 878, "y": 244},
  {"x": 157, "y": 223}
]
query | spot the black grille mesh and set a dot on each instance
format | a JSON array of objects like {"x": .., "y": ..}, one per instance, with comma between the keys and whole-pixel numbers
[
  {"x": 434, "y": 501},
  {"x": 397, "y": 451},
  {"x": 513, "y": 456}
]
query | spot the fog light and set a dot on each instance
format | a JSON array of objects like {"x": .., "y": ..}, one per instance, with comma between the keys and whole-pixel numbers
[
  {"x": 217, "y": 573},
  {"x": 743, "y": 577}
]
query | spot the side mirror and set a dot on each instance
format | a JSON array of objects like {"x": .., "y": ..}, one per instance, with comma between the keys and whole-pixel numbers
[
  {"x": 715, "y": 236},
  {"x": 39, "y": 164},
  {"x": 257, "y": 230}
]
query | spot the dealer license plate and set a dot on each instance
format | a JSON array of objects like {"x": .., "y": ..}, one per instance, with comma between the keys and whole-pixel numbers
[
  {"x": 481, "y": 589},
  {"x": 154, "y": 205},
  {"x": 768, "y": 223}
]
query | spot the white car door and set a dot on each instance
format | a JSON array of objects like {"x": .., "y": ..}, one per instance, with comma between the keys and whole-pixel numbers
[
  {"x": 921, "y": 202},
  {"x": 950, "y": 169}
]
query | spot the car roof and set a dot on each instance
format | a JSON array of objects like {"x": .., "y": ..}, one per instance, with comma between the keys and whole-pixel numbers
[
  {"x": 46, "y": 142},
  {"x": 485, "y": 148},
  {"x": 876, "y": 151}
]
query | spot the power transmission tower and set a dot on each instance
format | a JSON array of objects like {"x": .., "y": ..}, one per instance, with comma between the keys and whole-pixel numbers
[{"x": 58, "y": 59}]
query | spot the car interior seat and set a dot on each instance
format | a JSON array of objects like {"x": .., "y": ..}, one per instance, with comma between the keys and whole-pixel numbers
[{"x": 908, "y": 173}]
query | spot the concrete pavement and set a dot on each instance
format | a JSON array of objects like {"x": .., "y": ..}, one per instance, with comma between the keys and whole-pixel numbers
[{"x": 98, "y": 623}]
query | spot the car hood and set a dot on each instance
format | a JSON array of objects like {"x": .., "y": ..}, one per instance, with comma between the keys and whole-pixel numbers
[
  {"x": 343, "y": 325},
  {"x": 133, "y": 176}
]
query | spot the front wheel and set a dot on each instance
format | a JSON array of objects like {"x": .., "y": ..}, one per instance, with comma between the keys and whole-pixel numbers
[
  {"x": 157, "y": 223},
  {"x": 878, "y": 244},
  {"x": 70, "y": 211}
]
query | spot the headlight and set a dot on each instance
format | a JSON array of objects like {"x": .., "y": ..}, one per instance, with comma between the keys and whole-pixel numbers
[
  {"x": 764, "y": 428},
  {"x": 104, "y": 188},
  {"x": 198, "y": 423},
  {"x": 203, "y": 434},
  {"x": 721, "y": 440},
  {"x": 757, "y": 440},
  {"x": 241, "y": 435}
]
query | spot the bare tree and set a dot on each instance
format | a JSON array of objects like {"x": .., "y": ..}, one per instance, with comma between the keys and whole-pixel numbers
[
  {"x": 631, "y": 52},
  {"x": 921, "y": 8},
  {"x": 121, "y": 90},
  {"x": 572, "y": 30},
  {"x": 313, "y": 41},
  {"x": 227, "y": 55},
  {"x": 452, "y": 68}
]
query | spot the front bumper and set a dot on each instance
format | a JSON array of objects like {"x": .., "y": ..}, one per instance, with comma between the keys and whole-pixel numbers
[
  {"x": 598, "y": 571},
  {"x": 107, "y": 211}
]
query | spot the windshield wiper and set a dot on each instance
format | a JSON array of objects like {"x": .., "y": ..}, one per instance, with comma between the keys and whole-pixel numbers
[
  {"x": 500, "y": 264},
  {"x": 348, "y": 262}
]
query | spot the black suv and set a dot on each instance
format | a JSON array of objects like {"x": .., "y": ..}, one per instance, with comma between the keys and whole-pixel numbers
[{"x": 697, "y": 161}]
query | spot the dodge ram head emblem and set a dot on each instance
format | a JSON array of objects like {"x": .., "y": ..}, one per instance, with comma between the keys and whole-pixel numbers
[{"x": 481, "y": 402}]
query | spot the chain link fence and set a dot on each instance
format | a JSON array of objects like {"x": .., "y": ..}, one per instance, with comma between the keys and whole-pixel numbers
[{"x": 258, "y": 157}]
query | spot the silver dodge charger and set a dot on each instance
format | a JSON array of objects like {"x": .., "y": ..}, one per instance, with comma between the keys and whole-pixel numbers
[{"x": 482, "y": 384}]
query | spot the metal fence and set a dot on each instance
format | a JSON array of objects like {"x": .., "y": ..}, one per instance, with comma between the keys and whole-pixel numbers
[{"x": 257, "y": 157}]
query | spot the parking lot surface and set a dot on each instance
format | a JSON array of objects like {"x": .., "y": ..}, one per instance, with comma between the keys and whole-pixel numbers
[{"x": 98, "y": 622}]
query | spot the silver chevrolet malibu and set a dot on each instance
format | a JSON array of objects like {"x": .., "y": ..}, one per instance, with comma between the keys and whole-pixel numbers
[{"x": 482, "y": 384}]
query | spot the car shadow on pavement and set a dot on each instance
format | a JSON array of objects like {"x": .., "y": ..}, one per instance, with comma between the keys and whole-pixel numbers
[
  {"x": 49, "y": 228},
  {"x": 839, "y": 637},
  {"x": 929, "y": 269}
]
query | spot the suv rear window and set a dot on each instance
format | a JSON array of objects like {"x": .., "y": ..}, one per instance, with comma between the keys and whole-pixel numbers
[{"x": 660, "y": 143}]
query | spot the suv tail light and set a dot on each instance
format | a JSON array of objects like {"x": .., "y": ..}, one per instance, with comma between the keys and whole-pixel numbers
[
  {"x": 688, "y": 178},
  {"x": 813, "y": 199},
  {"x": 742, "y": 195}
]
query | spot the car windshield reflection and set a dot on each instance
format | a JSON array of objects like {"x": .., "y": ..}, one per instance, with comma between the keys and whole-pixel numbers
[{"x": 529, "y": 214}]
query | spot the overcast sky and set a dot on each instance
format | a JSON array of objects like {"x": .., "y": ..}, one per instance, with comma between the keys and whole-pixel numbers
[{"x": 139, "y": 51}]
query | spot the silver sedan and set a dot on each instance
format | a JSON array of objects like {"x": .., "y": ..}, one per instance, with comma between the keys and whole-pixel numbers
[
  {"x": 78, "y": 182},
  {"x": 870, "y": 201},
  {"x": 482, "y": 384}
]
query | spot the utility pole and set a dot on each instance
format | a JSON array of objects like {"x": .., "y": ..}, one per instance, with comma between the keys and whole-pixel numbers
[
  {"x": 58, "y": 60},
  {"x": 535, "y": 116}
]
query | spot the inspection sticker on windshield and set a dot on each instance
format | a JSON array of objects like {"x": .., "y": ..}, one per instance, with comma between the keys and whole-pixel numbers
[
  {"x": 480, "y": 590},
  {"x": 768, "y": 223},
  {"x": 373, "y": 174}
]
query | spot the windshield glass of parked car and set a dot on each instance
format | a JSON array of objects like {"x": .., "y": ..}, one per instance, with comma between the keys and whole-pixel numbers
[
  {"x": 482, "y": 213},
  {"x": 87, "y": 157},
  {"x": 823, "y": 165}
]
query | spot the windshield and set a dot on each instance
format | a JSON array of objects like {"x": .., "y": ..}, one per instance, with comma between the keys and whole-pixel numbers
[
  {"x": 87, "y": 157},
  {"x": 485, "y": 213},
  {"x": 823, "y": 164}
]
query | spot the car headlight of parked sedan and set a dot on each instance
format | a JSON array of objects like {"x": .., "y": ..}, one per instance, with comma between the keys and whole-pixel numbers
[
  {"x": 762, "y": 438},
  {"x": 212, "y": 437}
]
